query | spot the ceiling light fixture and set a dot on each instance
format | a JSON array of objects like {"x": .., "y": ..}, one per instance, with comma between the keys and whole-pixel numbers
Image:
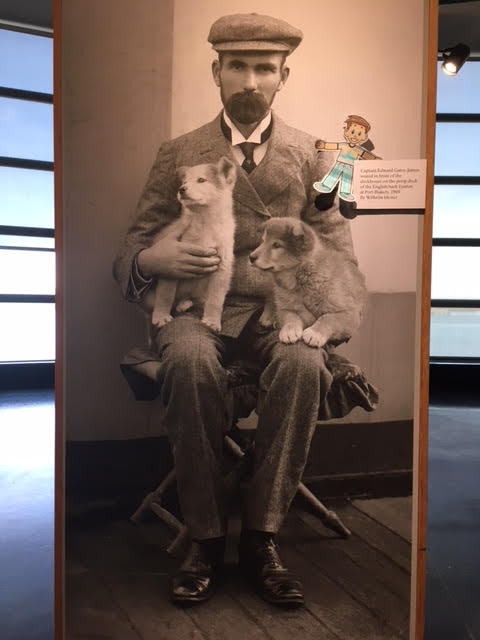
[{"x": 454, "y": 58}]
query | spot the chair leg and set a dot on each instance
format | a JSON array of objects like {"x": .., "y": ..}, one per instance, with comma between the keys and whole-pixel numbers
[
  {"x": 153, "y": 497},
  {"x": 327, "y": 516},
  {"x": 175, "y": 524}
]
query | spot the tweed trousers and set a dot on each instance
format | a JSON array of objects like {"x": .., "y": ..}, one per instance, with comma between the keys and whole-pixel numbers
[{"x": 194, "y": 392}]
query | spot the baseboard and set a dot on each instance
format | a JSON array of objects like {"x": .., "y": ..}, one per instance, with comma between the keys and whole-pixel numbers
[
  {"x": 454, "y": 382},
  {"x": 26, "y": 375},
  {"x": 362, "y": 485},
  {"x": 345, "y": 459}
]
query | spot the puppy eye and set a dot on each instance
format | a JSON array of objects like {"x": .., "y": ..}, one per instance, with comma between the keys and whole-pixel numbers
[
  {"x": 201, "y": 180},
  {"x": 276, "y": 245}
]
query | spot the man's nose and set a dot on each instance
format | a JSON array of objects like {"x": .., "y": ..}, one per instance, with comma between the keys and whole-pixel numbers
[{"x": 250, "y": 81}]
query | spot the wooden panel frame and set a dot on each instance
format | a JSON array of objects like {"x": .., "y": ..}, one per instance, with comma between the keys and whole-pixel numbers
[{"x": 423, "y": 398}]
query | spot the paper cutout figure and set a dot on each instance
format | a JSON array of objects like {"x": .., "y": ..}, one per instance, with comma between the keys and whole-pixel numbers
[{"x": 355, "y": 133}]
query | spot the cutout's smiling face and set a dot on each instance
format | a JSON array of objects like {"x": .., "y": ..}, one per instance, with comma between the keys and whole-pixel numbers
[{"x": 355, "y": 134}]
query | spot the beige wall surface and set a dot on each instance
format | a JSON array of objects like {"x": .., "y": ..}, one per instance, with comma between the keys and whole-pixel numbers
[
  {"x": 116, "y": 78},
  {"x": 135, "y": 74}
]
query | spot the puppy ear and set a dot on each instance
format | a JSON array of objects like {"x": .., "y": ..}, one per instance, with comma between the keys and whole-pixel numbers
[
  {"x": 227, "y": 169},
  {"x": 180, "y": 174},
  {"x": 297, "y": 228},
  {"x": 301, "y": 238}
]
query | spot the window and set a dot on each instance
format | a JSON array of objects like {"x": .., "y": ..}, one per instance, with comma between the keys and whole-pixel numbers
[
  {"x": 27, "y": 259},
  {"x": 455, "y": 325}
]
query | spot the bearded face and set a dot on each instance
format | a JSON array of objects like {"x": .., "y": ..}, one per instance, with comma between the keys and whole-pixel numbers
[
  {"x": 248, "y": 82},
  {"x": 246, "y": 107}
]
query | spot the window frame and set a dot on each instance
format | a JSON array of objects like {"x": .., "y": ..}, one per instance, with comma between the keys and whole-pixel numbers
[
  {"x": 456, "y": 303},
  {"x": 38, "y": 373}
]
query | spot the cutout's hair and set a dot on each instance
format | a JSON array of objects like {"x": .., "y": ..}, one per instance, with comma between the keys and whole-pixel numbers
[{"x": 357, "y": 120}]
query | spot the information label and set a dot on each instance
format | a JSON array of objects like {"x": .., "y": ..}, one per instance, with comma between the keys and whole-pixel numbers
[{"x": 389, "y": 184}]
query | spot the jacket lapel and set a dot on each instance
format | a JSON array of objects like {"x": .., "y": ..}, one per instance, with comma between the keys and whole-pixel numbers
[{"x": 276, "y": 170}]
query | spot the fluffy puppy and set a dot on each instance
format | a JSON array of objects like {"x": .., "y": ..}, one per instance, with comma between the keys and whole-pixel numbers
[
  {"x": 318, "y": 293},
  {"x": 206, "y": 219}
]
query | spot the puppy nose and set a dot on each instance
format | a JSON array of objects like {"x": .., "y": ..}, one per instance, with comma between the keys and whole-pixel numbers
[
  {"x": 252, "y": 258},
  {"x": 182, "y": 190}
]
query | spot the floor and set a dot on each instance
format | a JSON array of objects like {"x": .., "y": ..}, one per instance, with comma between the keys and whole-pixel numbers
[
  {"x": 356, "y": 589},
  {"x": 453, "y": 558},
  {"x": 26, "y": 515}
]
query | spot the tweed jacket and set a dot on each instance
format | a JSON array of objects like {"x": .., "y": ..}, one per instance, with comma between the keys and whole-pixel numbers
[{"x": 281, "y": 185}]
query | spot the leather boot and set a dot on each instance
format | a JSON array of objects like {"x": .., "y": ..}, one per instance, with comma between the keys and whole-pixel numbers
[
  {"x": 260, "y": 561},
  {"x": 195, "y": 581}
]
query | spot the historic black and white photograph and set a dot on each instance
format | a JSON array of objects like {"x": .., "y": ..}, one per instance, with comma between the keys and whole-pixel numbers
[{"x": 241, "y": 337}]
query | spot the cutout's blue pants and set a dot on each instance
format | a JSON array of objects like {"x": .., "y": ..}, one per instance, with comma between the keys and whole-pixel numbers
[{"x": 342, "y": 172}]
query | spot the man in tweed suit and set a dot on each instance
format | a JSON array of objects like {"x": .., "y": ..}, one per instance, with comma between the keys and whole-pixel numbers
[{"x": 275, "y": 180}]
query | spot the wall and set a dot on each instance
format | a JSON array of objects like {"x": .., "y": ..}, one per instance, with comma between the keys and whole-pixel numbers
[
  {"x": 116, "y": 99},
  {"x": 121, "y": 99}
]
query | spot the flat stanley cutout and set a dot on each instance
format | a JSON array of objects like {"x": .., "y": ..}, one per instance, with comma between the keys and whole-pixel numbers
[{"x": 357, "y": 147}]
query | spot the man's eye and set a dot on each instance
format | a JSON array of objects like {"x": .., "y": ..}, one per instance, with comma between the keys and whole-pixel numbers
[{"x": 201, "y": 180}]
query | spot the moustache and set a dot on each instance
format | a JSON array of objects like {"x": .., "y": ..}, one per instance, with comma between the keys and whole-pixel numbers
[{"x": 247, "y": 107}]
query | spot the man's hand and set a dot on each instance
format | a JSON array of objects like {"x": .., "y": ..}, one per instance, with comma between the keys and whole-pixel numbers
[
  {"x": 169, "y": 257},
  {"x": 320, "y": 145}
]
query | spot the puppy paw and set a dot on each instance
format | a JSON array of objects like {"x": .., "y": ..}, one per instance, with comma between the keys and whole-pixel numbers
[
  {"x": 313, "y": 338},
  {"x": 160, "y": 319},
  {"x": 266, "y": 320},
  {"x": 184, "y": 305},
  {"x": 289, "y": 334},
  {"x": 212, "y": 323}
]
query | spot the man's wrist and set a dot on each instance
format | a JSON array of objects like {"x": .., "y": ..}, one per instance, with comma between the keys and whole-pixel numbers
[{"x": 142, "y": 264}]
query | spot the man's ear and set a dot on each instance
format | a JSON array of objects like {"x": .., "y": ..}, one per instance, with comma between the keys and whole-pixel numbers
[
  {"x": 216, "y": 72},
  {"x": 285, "y": 72}
]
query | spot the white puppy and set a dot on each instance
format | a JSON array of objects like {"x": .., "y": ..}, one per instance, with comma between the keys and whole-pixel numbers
[{"x": 205, "y": 195}]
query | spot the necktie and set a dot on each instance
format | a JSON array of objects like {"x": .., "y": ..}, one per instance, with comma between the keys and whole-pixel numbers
[{"x": 247, "y": 149}]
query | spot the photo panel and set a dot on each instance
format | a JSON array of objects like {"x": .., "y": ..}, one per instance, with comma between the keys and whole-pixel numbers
[{"x": 345, "y": 153}]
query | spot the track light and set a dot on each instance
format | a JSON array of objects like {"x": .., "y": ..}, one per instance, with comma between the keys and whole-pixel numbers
[{"x": 454, "y": 58}]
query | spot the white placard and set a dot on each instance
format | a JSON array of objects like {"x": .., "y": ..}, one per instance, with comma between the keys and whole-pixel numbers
[{"x": 389, "y": 184}]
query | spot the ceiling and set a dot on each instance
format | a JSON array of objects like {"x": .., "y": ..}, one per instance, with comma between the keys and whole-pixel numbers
[
  {"x": 458, "y": 21},
  {"x": 32, "y": 12}
]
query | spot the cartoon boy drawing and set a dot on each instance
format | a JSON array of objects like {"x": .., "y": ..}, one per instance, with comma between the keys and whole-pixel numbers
[{"x": 356, "y": 134}]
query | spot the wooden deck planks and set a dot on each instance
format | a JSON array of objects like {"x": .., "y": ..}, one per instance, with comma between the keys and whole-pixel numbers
[
  {"x": 385, "y": 571},
  {"x": 361, "y": 580},
  {"x": 150, "y": 611},
  {"x": 393, "y": 513},
  {"x": 118, "y": 579},
  {"x": 91, "y": 611},
  {"x": 377, "y": 536},
  {"x": 341, "y": 595}
]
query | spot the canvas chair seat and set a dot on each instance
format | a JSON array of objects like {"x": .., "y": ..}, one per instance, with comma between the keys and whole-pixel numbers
[{"x": 350, "y": 387}]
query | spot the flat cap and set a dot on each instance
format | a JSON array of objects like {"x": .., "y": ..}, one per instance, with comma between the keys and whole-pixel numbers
[{"x": 253, "y": 32}]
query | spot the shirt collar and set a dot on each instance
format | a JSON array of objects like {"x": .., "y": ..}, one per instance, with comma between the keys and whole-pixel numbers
[{"x": 255, "y": 136}]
